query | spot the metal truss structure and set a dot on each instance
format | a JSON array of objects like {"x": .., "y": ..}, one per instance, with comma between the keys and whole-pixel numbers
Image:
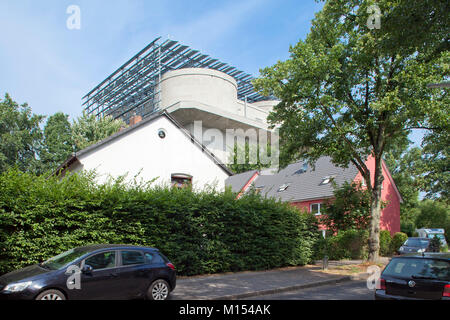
[{"x": 134, "y": 87}]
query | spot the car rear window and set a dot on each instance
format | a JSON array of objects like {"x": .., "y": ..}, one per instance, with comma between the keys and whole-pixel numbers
[
  {"x": 418, "y": 268},
  {"x": 422, "y": 243}
]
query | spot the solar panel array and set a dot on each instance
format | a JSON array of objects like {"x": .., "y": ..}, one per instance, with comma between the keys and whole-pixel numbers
[{"x": 133, "y": 88}]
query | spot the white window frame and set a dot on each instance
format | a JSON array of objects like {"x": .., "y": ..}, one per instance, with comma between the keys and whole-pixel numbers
[{"x": 318, "y": 212}]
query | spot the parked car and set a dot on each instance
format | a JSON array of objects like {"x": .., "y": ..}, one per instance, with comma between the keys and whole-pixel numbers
[
  {"x": 416, "y": 276},
  {"x": 415, "y": 245},
  {"x": 430, "y": 233},
  {"x": 94, "y": 272}
]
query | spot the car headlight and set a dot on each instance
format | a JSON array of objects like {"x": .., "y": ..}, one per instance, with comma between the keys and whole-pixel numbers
[
  {"x": 17, "y": 287},
  {"x": 421, "y": 250},
  {"x": 401, "y": 249}
]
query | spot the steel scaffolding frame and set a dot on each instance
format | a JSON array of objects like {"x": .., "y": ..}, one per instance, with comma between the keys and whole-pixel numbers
[{"x": 134, "y": 87}]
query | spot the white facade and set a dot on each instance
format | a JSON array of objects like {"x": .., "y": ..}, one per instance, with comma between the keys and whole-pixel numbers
[
  {"x": 208, "y": 98},
  {"x": 201, "y": 108},
  {"x": 140, "y": 151}
]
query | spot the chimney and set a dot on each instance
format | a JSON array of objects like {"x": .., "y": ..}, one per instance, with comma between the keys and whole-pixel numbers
[{"x": 135, "y": 119}]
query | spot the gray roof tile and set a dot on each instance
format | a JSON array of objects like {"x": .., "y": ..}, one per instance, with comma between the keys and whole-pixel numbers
[{"x": 302, "y": 185}]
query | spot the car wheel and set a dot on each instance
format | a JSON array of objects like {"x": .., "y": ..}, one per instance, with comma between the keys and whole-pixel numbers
[
  {"x": 158, "y": 290},
  {"x": 51, "y": 295}
]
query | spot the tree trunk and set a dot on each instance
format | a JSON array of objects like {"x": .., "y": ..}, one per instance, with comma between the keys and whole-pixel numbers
[{"x": 375, "y": 210}]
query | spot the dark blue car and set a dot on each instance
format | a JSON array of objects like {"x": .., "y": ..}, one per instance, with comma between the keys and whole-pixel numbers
[{"x": 94, "y": 272}]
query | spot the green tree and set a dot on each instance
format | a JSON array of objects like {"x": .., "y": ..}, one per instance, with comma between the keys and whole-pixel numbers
[
  {"x": 57, "y": 141},
  {"x": 246, "y": 158},
  {"x": 20, "y": 136},
  {"x": 350, "y": 208},
  {"x": 88, "y": 129},
  {"x": 433, "y": 214},
  {"x": 435, "y": 179},
  {"x": 349, "y": 91},
  {"x": 406, "y": 168}
]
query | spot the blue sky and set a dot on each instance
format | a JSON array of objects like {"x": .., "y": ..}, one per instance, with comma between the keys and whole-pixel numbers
[
  {"x": 44, "y": 63},
  {"x": 51, "y": 68}
]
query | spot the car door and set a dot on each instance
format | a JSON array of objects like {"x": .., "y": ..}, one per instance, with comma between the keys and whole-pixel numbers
[
  {"x": 134, "y": 274},
  {"x": 102, "y": 282}
]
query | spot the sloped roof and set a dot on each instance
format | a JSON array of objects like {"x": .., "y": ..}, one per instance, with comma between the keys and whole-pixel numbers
[
  {"x": 153, "y": 117},
  {"x": 238, "y": 181},
  {"x": 302, "y": 185}
]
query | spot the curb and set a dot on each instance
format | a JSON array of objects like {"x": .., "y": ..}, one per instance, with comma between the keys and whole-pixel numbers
[{"x": 291, "y": 288}]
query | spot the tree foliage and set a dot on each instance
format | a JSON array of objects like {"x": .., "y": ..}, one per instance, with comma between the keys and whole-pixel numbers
[
  {"x": 435, "y": 174},
  {"x": 350, "y": 92},
  {"x": 88, "y": 129},
  {"x": 23, "y": 144},
  {"x": 349, "y": 209},
  {"x": 57, "y": 144},
  {"x": 20, "y": 136}
]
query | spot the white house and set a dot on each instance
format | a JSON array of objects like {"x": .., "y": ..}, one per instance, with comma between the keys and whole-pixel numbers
[{"x": 157, "y": 147}]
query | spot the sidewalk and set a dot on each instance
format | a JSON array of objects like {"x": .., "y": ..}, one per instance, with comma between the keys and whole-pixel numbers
[{"x": 254, "y": 283}]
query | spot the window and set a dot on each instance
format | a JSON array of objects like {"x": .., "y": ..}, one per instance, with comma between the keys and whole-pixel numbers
[
  {"x": 283, "y": 187},
  {"x": 162, "y": 133},
  {"x": 148, "y": 258},
  {"x": 412, "y": 267},
  {"x": 132, "y": 257},
  {"x": 181, "y": 180},
  {"x": 63, "y": 259},
  {"x": 102, "y": 260},
  {"x": 420, "y": 243},
  {"x": 152, "y": 258},
  {"x": 315, "y": 208},
  {"x": 327, "y": 180}
]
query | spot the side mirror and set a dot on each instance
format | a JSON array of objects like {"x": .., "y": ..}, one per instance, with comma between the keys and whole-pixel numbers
[{"x": 87, "y": 269}]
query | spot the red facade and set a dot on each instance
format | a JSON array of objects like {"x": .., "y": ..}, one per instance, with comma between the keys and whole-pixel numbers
[{"x": 390, "y": 215}]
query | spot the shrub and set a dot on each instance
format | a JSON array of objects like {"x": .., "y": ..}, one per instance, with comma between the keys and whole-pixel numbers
[
  {"x": 349, "y": 210},
  {"x": 348, "y": 244},
  {"x": 435, "y": 245},
  {"x": 385, "y": 243},
  {"x": 397, "y": 241},
  {"x": 204, "y": 232}
]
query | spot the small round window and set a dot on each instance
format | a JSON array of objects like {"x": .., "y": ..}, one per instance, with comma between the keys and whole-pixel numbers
[{"x": 162, "y": 133}]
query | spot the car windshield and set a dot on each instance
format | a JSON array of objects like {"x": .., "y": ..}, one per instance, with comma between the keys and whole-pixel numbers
[
  {"x": 63, "y": 259},
  {"x": 418, "y": 268},
  {"x": 421, "y": 243}
]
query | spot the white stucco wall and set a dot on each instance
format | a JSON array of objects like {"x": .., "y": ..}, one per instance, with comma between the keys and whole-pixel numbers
[
  {"x": 141, "y": 150},
  {"x": 206, "y": 86}
]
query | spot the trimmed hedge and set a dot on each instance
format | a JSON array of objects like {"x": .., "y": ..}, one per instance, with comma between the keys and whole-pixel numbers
[
  {"x": 385, "y": 243},
  {"x": 397, "y": 241},
  {"x": 201, "y": 233},
  {"x": 349, "y": 244}
]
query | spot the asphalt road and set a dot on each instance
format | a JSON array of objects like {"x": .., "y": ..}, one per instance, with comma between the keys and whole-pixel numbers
[{"x": 350, "y": 290}]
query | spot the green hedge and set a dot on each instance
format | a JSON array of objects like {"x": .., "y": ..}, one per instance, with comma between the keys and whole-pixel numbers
[
  {"x": 385, "y": 243},
  {"x": 397, "y": 241},
  {"x": 205, "y": 232},
  {"x": 349, "y": 244}
]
